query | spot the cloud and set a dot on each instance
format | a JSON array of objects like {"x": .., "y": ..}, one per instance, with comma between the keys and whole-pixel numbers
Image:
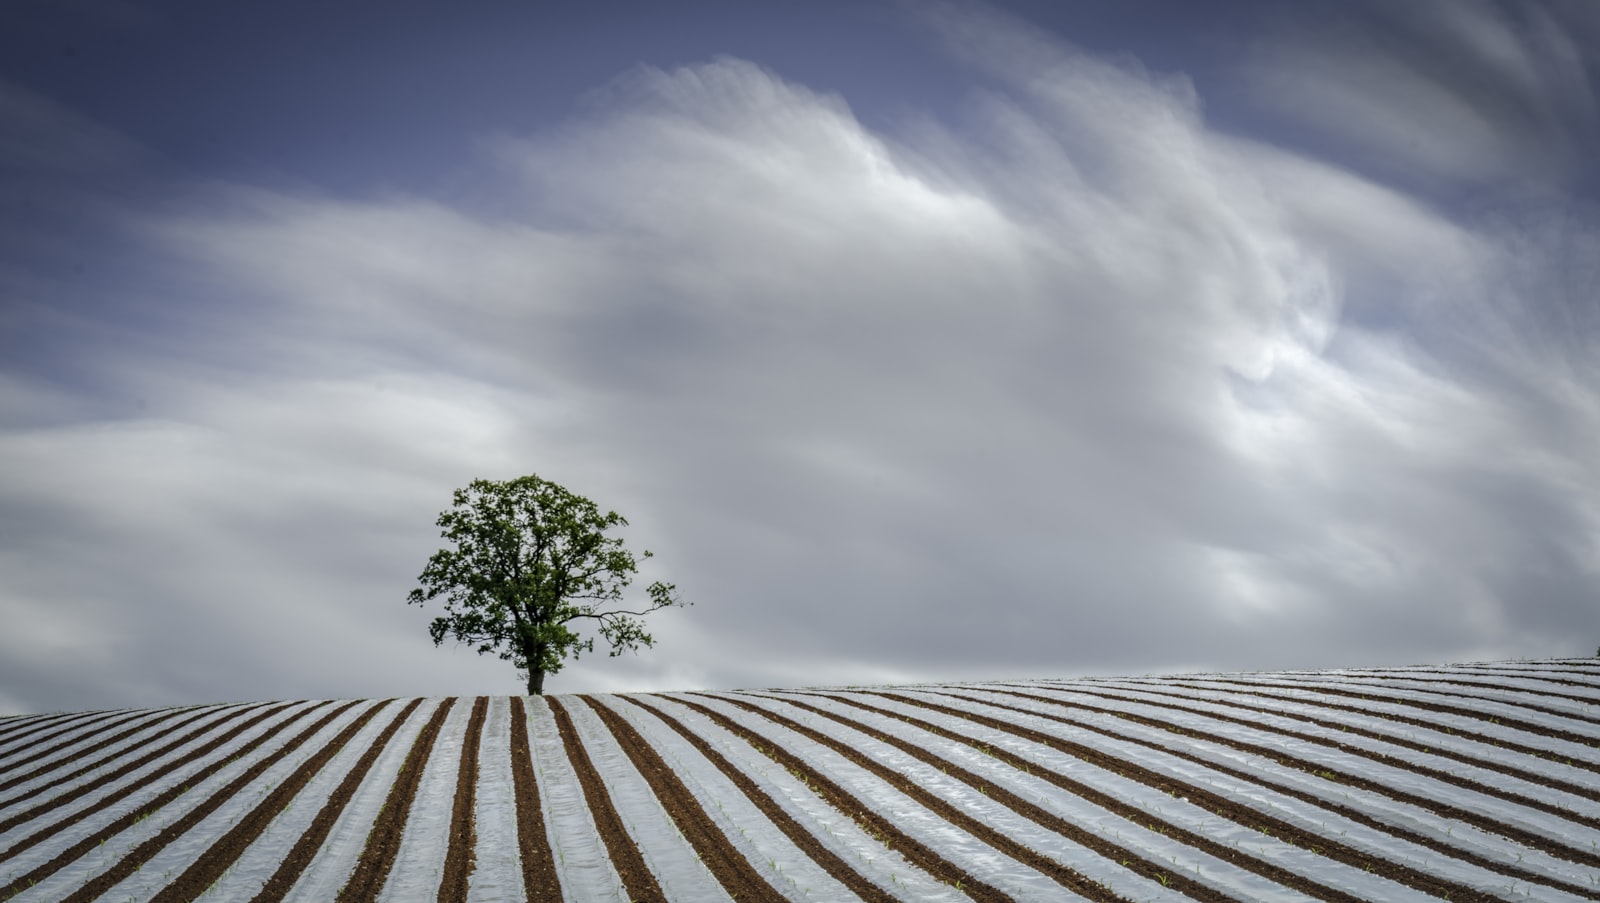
[
  {"x": 1073, "y": 384},
  {"x": 1440, "y": 94}
]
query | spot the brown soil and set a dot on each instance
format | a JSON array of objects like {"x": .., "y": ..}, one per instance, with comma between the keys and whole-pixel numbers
[
  {"x": 1529, "y": 674},
  {"x": 143, "y": 853},
  {"x": 805, "y": 840},
  {"x": 77, "y": 728},
  {"x": 1434, "y": 686},
  {"x": 1531, "y": 777},
  {"x": 86, "y": 844},
  {"x": 224, "y": 852},
  {"x": 637, "y": 882},
  {"x": 539, "y": 879},
  {"x": 87, "y": 751},
  {"x": 1253, "y": 818},
  {"x": 1445, "y": 810},
  {"x": 1447, "y": 777},
  {"x": 383, "y": 842},
  {"x": 884, "y": 831},
  {"x": 30, "y": 725},
  {"x": 1278, "y": 756},
  {"x": 459, "y": 859},
  {"x": 117, "y": 796},
  {"x": 731, "y": 869},
  {"x": 1130, "y": 860},
  {"x": 1475, "y": 714},
  {"x": 305, "y": 849}
]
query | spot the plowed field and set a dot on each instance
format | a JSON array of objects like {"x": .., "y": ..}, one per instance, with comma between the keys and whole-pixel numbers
[{"x": 1463, "y": 782}]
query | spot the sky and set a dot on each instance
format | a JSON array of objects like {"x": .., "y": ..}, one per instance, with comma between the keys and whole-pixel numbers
[{"x": 917, "y": 340}]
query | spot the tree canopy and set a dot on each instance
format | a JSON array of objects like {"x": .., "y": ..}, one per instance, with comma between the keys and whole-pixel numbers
[{"x": 530, "y": 560}]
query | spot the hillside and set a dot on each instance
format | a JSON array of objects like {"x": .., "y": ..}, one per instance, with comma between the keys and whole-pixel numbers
[{"x": 1464, "y": 782}]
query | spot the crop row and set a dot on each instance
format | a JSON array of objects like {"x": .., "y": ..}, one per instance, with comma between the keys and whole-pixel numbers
[{"x": 1467, "y": 782}]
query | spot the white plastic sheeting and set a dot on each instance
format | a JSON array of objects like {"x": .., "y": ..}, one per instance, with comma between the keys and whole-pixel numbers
[
  {"x": 1445, "y": 723},
  {"x": 48, "y": 849},
  {"x": 1309, "y": 818},
  {"x": 1208, "y": 702},
  {"x": 261, "y": 859},
  {"x": 497, "y": 874},
  {"x": 583, "y": 866},
  {"x": 108, "y": 854},
  {"x": 966, "y": 852},
  {"x": 20, "y": 798},
  {"x": 1552, "y": 767},
  {"x": 1139, "y": 839},
  {"x": 192, "y": 844},
  {"x": 419, "y": 864},
  {"x": 1384, "y": 809},
  {"x": 79, "y": 732},
  {"x": 768, "y": 850},
  {"x": 1550, "y": 826},
  {"x": 676, "y": 866},
  {"x": 835, "y": 831},
  {"x": 331, "y": 867}
]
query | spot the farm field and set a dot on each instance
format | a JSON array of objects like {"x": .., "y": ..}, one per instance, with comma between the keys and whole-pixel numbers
[{"x": 1461, "y": 782}]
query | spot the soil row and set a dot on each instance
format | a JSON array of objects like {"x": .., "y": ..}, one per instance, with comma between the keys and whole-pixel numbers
[
  {"x": 638, "y": 883},
  {"x": 769, "y": 807},
  {"x": 79, "y": 729},
  {"x": 154, "y": 778},
  {"x": 78, "y": 755},
  {"x": 539, "y": 878},
  {"x": 1327, "y": 740},
  {"x": 1343, "y": 776},
  {"x": 711, "y": 846},
  {"x": 150, "y": 807},
  {"x": 305, "y": 849},
  {"x": 147, "y": 850},
  {"x": 383, "y": 843},
  {"x": 27, "y": 727},
  {"x": 1443, "y": 678},
  {"x": 1254, "y": 818},
  {"x": 1365, "y": 753},
  {"x": 458, "y": 860},
  {"x": 224, "y": 852},
  {"x": 1458, "y": 711}
]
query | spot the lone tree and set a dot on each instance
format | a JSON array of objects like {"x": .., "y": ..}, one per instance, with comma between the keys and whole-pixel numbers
[{"x": 531, "y": 558}]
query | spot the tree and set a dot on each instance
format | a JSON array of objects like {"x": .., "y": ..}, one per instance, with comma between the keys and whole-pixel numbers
[{"x": 531, "y": 558}]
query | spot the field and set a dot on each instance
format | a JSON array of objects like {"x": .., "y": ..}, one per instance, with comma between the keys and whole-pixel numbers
[{"x": 1464, "y": 782}]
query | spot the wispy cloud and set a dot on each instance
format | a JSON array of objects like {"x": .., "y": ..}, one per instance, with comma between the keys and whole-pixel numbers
[{"x": 1074, "y": 383}]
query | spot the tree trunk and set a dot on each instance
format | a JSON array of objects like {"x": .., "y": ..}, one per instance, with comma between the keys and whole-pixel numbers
[{"x": 535, "y": 682}]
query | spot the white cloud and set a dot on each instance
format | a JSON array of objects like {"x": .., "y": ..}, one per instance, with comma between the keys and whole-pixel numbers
[{"x": 1076, "y": 385}]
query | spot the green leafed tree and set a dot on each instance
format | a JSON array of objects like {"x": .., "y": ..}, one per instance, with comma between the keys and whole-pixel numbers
[{"x": 530, "y": 564}]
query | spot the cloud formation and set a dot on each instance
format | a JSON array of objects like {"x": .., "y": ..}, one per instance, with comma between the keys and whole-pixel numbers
[{"x": 1074, "y": 384}]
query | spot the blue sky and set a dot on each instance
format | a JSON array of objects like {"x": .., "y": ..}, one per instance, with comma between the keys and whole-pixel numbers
[{"x": 918, "y": 340}]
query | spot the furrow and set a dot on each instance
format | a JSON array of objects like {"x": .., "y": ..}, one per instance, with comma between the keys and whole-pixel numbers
[
  {"x": 138, "y": 740},
  {"x": 638, "y": 883},
  {"x": 913, "y": 850},
  {"x": 1375, "y": 826},
  {"x": 173, "y": 792},
  {"x": 135, "y": 860},
  {"x": 1504, "y": 694},
  {"x": 218, "y": 857},
  {"x": 1453, "y": 678},
  {"x": 1006, "y": 790},
  {"x": 1218, "y": 805},
  {"x": 383, "y": 843},
  {"x": 151, "y": 779},
  {"x": 1474, "y": 714},
  {"x": 458, "y": 860},
  {"x": 1344, "y": 775},
  {"x": 539, "y": 879},
  {"x": 10, "y": 739},
  {"x": 65, "y": 753},
  {"x": 804, "y": 840},
  {"x": 1495, "y": 761},
  {"x": 732, "y": 870},
  {"x": 1437, "y": 749},
  {"x": 310, "y": 842},
  {"x": 82, "y": 731}
]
